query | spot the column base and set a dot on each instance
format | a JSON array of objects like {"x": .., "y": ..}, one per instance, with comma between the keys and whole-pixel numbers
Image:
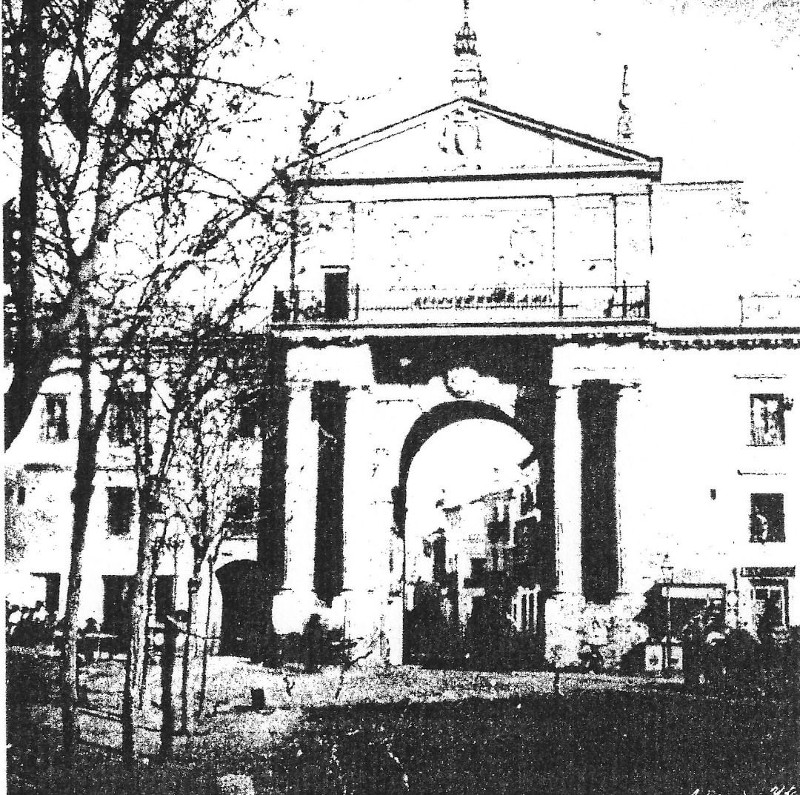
[
  {"x": 291, "y": 609},
  {"x": 563, "y": 622},
  {"x": 571, "y": 621},
  {"x": 375, "y": 624}
]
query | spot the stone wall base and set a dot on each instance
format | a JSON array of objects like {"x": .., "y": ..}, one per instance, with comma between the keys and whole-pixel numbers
[
  {"x": 562, "y": 625},
  {"x": 571, "y": 623},
  {"x": 291, "y": 609}
]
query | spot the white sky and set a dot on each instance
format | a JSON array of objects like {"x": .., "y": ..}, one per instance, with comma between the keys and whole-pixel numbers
[
  {"x": 461, "y": 463},
  {"x": 714, "y": 92}
]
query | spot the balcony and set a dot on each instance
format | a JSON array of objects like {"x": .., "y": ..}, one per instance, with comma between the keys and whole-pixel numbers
[{"x": 505, "y": 304}]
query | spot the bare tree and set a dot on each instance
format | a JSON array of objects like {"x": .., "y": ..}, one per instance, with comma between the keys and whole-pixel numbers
[
  {"x": 115, "y": 106},
  {"x": 177, "y": 369},
  {"x": 214, "y": 493}
]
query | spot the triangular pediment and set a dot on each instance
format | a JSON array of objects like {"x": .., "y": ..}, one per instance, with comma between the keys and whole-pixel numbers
[{"x": 469, "y": 136}]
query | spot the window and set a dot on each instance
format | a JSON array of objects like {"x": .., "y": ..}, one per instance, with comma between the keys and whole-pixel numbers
[
  {"x": 242, "y": 513},
  {"x": 498, "y": 524},
  {"x": 439, "y": 559},
  {"x": 524, "y": 608},
  {"x": 120, "y": 510},
  {"x": 766, "y": 518},
  {"x": 116, "y": 606},
  {"x": 121, "y": 415},
  {"x": 52, "y": 587},
  {"x": 477, "y": 573},
  {"x": 55, "y": 428},
  {"x": 337, "y": 295},
  {"x": 770, "y": 605},
  {"x": 527, "y": 500},
  {"x": 766, "y": 420},
  {"x": 248, "y": 416}
]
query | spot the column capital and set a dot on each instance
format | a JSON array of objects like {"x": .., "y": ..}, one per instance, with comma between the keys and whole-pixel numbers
[
  {"x": 564, "y": 388},
  {"x": 630, "y": 385},
  {"x": 297, "y": 384}
]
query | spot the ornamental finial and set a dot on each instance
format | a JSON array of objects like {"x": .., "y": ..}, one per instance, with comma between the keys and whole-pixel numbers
[
  {"x": 625, "y": 123},
  {"x": 468, "y": 80}
]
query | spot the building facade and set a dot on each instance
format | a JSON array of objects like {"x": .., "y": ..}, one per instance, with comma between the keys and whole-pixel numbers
[{"x": 473, "y": 263}]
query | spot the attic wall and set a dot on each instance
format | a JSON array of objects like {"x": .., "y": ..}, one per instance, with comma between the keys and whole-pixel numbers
[
  {"x": 699, "y": 249},
  {"x": 473, "y": 243}
]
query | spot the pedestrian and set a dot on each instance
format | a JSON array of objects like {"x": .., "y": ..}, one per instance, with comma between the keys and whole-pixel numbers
[
  {"x": 87, "y": 645},
  {"x": 13, "y": 618},
  {"x": 39, "y": 612},
  {"x": 692, "y": 651},
  {"x": 313, "y": 636}
]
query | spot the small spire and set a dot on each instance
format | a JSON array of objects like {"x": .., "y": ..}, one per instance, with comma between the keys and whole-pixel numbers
[
  {"x": 465, "y": 38},
  {"x": 625, "y": 123},
  {"x": 468, "y": 80}
]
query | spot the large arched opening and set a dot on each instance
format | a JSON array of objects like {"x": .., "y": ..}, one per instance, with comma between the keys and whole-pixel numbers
[
  {"x": 242, "y": 590},
  {"x": 466, "y": 505}
]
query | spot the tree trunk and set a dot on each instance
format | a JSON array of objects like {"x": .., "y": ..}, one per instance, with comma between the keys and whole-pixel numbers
[
  {"x": 27, "y": 378},
  {"x": 81, "y": 497},
  {"x": 137, "y": 633},
  {"x": 134, "y": 662},
  {"x": 148, "y": 640},
  {"x": 167, "y": 672},
  {"x": 201, "y": 696},
  {"x": 188, "y": 648}
]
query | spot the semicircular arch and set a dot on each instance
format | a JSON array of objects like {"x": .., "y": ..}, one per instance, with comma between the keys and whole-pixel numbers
[{"x": 434, "y": 420}]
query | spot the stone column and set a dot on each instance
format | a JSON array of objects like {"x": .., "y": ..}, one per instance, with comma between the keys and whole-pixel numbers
[
  {"x": 567, "y": 490},
  {"x": 297, "y": 600},
  {"x": 629, "y": 600},
  {"x": 329, "y": 409},
  {"x": 562, "y": 611},
  {"x": 370, "y": 473},
  {"x": 627, "y": 466}
]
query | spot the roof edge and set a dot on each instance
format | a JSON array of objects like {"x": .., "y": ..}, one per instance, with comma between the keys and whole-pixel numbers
[{"x": 517, "y": 119}]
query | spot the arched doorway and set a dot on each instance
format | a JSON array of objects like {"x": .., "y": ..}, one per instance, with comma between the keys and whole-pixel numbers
[
  {"x": 241, "y": 588},
  {"x": 466, "y": 504}
]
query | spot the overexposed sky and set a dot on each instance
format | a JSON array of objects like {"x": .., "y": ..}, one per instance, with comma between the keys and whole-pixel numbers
[
  {"x": 715, "y": 86},
  {"x": 460, "y": 463}
]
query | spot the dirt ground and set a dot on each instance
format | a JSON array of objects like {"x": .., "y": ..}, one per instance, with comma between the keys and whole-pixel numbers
[{"x": 412, "y": 730}]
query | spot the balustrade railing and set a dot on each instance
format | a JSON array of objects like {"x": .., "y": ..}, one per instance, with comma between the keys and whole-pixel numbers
[{"x": 493, "y": 304}]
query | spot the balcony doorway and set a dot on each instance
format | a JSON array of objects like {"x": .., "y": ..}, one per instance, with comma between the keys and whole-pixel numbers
[{"x": 337, "y": 295}]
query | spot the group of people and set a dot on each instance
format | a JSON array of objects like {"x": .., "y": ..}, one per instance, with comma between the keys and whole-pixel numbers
[
  {"x": 719, "y": 656},
  {"x": 37, "y": 626},
  {"x": 29, "y": 626}
]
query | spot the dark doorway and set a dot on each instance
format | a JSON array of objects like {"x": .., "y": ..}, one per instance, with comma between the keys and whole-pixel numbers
[
  {"x": 116, "y": 606},
  {"x": 241, "y": 608},
  {"x": 337, "y": 295}
]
